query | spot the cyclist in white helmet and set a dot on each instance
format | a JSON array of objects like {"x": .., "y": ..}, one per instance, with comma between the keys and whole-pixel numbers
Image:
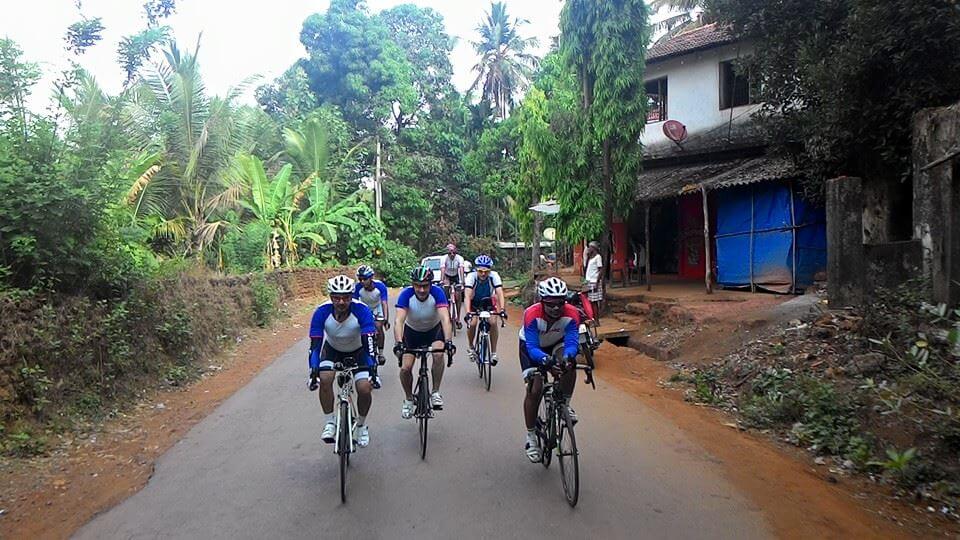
[
  {"x": 342, "y": 330},
  {"x": 549, "y": 324},
  {"x": 484, "y": 292}
]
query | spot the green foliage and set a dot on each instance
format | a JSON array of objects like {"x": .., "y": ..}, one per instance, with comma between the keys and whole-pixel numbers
[
  {"x": 245, "y": 249},
  {"x": 32, "y": 388},
  {"x": 395, "y": 262},
  {"x": 354, "y": 64},
  {"x": 266, "y": 300},
  {"x": 83, "y": 34},
  {"x": 604, "y": 44},
  {"x": 840, "y": 81},
  {"x": 506, "y": 65},
  {"x": 135, "y": 49},
  {"x": 897, "y": 462}
]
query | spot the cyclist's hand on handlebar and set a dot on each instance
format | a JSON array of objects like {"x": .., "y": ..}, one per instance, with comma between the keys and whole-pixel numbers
[
  {"x": 450, "y": 347},
  {"x": 312, "y": 383},
  {"x": 386, "y": 324},
  {"x": 398, "y": 349},
  {"x": 569, "y": 362},
  {"x": 503, "y": 314},
  {"x": 467, "y": 317}
]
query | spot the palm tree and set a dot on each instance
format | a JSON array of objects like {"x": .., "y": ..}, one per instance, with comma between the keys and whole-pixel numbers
[
  {"x": 197, "y": 137},
  {"x": 506, "y": 65}
]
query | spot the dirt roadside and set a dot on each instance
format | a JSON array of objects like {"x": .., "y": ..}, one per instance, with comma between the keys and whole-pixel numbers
[{"x": 52, "y": 497}]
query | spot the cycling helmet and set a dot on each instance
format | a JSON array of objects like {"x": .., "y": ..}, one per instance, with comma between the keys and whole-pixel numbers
[
  {"x": 340, "y": 285},
  {"x": 552, "y": 288},
  {"x": 364, "y": 272},
  {"x": 421, "y": 273},
  {"x": 483, "y": 261}
]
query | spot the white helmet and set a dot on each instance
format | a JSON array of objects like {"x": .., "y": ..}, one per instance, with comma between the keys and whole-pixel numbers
[
  {"x": 552, "y": 287},
  {"x": 340, "y": 285}
]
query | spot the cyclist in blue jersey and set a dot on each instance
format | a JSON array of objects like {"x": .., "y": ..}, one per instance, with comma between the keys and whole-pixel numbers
[
  {"x": 373, "y": 294},
  {"x": 484, "y": 292},
  {"x": 423, "y": 320},
  {"x": 549, "y": 324},
  {"x": 342, "y": 331}
]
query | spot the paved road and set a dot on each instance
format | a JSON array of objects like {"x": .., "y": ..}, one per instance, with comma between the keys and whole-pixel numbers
[{"x": 256, "y": 468}]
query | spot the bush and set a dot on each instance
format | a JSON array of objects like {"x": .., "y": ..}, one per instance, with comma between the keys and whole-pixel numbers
[
  {"x": 395, "y": 263},
  {"x": 265, "y": 300},
  {"x": 245, "y": 250}
]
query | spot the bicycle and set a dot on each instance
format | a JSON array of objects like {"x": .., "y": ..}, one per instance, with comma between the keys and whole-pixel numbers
[
  {"x": 589, "y": 340},
  {"x": 453, "y": 292},
  {"x": 555, "y": 430},
  {"x": 424, "y": 411},
  {"x": 346, "y": 409},
  {"x": 483, "y": 348}
]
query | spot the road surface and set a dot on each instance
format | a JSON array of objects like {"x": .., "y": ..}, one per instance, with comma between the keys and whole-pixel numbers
[{"x": 256, "y": 468}]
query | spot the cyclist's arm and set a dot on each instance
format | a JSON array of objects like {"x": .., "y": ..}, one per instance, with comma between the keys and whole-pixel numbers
[
  {"x": 403, "y": 302},
  {"x": 498, "y": 288},
  {"x": 467, "y": 299},
  {"x": 531, "y": 339},
  {"x": 460, "y": 271},
  {"x": 571, "y": 338},
  {"x": 368, "y": 329},
  {"x": 443, "y": 308},
  {"x": 384, "y": 300},
  {"x": 316, "y": 333}
]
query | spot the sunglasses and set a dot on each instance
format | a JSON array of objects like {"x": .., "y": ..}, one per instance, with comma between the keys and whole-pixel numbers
[{"x": 554, "y": 303}]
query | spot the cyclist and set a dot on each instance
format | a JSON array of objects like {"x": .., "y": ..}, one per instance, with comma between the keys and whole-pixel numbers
[
  {"x": 453, "y": 273},
  {"x": 342, "y": 329},
  {"x": 549, "y": 324},
  {"x": 422, "y": 321},
  {"x": 484, "y": 292},
  {"x": 373, "y": 293}
]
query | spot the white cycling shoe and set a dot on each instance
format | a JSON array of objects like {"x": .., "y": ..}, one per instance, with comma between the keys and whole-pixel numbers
[
  {"x": 362, "y": 436},
  {"x": 534, "y": 454},
  {"x": 406, "y": 411},
  {"x": 472, "y": 355},
  {"x": 436, "y": 400},
  {"x": 494, "y": 359},
  {"x": 329, "y": 433}
]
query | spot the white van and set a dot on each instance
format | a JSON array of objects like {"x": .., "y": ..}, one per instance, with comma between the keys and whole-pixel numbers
[{"x": 434, "y": 263}]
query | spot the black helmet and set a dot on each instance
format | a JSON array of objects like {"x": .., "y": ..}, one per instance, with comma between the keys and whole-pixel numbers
[{"x": 420, "y": 274}]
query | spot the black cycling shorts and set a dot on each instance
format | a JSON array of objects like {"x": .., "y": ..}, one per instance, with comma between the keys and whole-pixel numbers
[
  {"x": 413, "y": 339},
  {"x": 329, "y": 357}
]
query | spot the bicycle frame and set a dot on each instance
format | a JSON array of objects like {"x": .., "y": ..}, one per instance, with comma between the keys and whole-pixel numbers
[{"x": 347, "y": 393}]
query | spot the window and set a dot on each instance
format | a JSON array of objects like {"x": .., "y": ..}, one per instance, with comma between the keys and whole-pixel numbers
[
  {"x": 735, "y": 88},
  {"x": 656, "y": 100}
]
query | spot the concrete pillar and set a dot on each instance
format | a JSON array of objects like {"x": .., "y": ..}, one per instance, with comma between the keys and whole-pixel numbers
[
  {"x": 846, "y": 267},
  {"x": 936, "y": 199}
]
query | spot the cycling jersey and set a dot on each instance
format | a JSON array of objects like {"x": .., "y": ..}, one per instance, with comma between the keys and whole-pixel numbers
[
  {"x": 422, "y": 316},
  {"x": 347, "y": 336},
  {"x": 451, "y": 267},
  {"x": 538, "y": 334},
  {"x": 372, "y": 298},
  {"x": 483, "y": 288}
]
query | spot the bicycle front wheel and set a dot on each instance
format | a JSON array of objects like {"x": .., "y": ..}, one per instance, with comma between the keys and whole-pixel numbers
[
  {"x": 487, "y": 365},
  {"x": 424, "y": 407},
  {"x": 569, "y": 459},
  {"x": 343, "y": 447},
  {"x": 543, "y": 434},
  {"x": 480, "y": 356}
]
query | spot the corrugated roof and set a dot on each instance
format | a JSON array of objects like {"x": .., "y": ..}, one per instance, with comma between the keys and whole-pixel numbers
[
  {"x": 669, "y": 182},
  {"x": 697, "y": 39}
]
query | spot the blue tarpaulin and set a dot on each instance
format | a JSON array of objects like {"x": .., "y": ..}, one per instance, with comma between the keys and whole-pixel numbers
[{"x": 768, "y": 236}]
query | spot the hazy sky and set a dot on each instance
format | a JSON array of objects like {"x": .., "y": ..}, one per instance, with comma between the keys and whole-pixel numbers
[{"x": 240, "y": 37}]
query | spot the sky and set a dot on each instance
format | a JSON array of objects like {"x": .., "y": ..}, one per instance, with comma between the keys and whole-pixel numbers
[{"x": 240, "y": 38}]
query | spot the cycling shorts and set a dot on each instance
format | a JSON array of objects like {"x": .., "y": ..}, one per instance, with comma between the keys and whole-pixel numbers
[
  {"x": 329, "y": 357},
  {"x": 452, "y": 280},
  {"x": 413, "y": 339},
  {"x": 482, "y": 304}
]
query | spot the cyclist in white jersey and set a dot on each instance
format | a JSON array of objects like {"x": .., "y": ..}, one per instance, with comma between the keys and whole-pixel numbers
[
  {"x": 373, "y": 293},
  {"x": 453, "y": 268}
]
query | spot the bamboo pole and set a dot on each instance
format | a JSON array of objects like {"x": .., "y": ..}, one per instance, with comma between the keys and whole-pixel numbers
[{"x": 708, "y": 275}]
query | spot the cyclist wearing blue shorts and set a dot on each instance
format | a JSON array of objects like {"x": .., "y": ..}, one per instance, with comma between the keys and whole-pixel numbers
[
  {"x": 484, "y": 292},
  {"x": 342, "y": 331},
  {"x": 548, "y": 325}
]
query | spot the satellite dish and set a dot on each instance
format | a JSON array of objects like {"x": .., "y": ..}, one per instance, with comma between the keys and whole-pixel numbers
[
  {"x": 547, "y": 207},
  {"x": 550, "y": 234},
  {"x": 675, "y": 131}
]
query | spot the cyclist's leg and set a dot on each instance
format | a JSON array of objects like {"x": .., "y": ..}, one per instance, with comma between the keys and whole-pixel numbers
[
  {"x": 380, "y": 336},
  {"x": 472, "y": 331},
  {"x": 439, "y": 359},
  {"x": 531, "y": 398},
  {"x": 406, "y": 365},
  {"x": 327, "y": 359}
]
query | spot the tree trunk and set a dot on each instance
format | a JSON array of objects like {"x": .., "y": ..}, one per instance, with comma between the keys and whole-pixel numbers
[
  {"x": 535, "y": 242},
  {"x": 378, "y": 189},
  {"x": 605, "y": 245}
]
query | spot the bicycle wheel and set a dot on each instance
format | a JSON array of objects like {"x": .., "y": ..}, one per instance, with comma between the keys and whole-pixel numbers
[
  {"x": 487, "y": 364},
  {"x": 343, "y": 448},
  {"x": 569, "y": 459},
  {"x": 454, "y": 315},
  {"x": 543, "y": 434},
  {"x": 480, "y": 356},
  {"x": 424, "y": 406}
]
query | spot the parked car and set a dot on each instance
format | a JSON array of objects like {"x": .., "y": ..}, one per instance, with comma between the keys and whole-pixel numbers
[{"x": 434, "y": 263}]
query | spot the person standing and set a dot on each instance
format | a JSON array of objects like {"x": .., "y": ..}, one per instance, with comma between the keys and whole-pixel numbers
[{"x": 593, "y": 277}]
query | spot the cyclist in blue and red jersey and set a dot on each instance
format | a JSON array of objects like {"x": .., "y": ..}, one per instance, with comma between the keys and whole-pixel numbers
[
  {"x": 550, "y": 324},
  {"x": 342, "y": 331}
]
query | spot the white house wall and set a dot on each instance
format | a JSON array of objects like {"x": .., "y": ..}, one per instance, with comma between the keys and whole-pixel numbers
[{"x": 693, "y": 92}]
